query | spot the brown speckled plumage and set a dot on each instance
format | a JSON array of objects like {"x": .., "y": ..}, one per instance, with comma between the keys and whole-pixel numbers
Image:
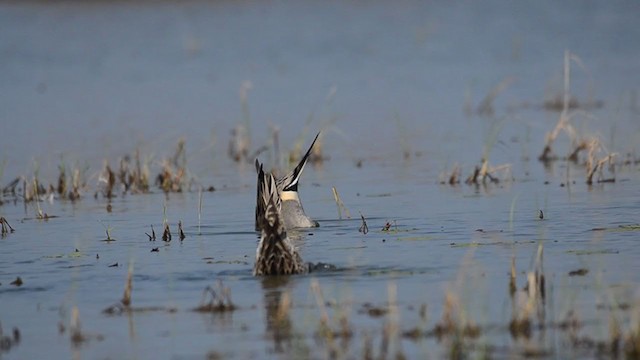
[{"x": 276, "y": 254}]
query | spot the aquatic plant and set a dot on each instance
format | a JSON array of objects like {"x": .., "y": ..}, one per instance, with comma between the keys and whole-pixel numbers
[
  {"x": 485, "y": 108},
  {"x": 9, "y": 341},
  {"x": 6, "y": 228},
  {"x": 340, "y": 204},
  {"x": 126, "y": 296},
  {"x": 152, "y": 237},
  {"x": 595, "y": 164},
  {"x": 180, "y": 232},
  {"x": 219, "y": 299},
  {"x": 567, "y": 103},
  {"x": 364, "y": 229}
]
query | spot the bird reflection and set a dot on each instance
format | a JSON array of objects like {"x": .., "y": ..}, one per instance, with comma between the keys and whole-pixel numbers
[{"x": 277, "y": 305}]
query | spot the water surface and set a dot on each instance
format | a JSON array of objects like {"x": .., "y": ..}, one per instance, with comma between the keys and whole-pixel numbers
[{"x": 81, "y": 83}]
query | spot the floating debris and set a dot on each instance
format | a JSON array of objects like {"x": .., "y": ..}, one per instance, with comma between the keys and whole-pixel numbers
[
  {"x": 17, "y": 282},
  {"x": 373, "y": 311},
  {"x": 579, "y": 272}
]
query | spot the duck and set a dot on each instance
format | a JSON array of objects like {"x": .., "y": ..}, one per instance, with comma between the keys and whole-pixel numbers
[
  {"x": 291, "y": 211},
  {"x": 276, "y": 254}
]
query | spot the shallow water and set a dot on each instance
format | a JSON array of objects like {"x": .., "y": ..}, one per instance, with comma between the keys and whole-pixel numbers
[{"x": 85, "y": 82}]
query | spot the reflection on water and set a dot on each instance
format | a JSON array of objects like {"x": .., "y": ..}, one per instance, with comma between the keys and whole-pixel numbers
[{"x": 277, "y": 305}]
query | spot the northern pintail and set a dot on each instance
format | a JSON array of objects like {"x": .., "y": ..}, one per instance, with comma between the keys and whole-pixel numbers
[
  {"x": 292, "y": 212},
  {"x": 276, "y": 254}
]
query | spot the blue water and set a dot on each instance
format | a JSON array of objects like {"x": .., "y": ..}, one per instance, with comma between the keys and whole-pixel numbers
[{"x": 85, "y": 82}]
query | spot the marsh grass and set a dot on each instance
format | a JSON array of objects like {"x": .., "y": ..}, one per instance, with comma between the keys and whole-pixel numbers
[
  {"x": 364, "y": 229},
  {"x": 317, "y": 156},
  {"x": 531, "y": 301},
  {"x": 632, "y": 337},
  {"x": 107, "y": 180},
  {"x": 173, "y": 177},
  {"x": 124, "y": 305},
  {"x": 10, "y": 188},
  {"x": 166, "y": 234},
  {"x": 216, "y": 300},
  {"x": 485, "y": 108},
  {"x": 180, "y": 232},
  {"x": 451, "y": 178},
  {"x": 240, "y": 142},
  {"x": 334, "y": 329},
  {"x": 200, "y": 200},
  {"x": 485, "y": 173},
  {"x": 77, "y": 336},
  {"x": 340, "y": 205},
  {"x": 569, "y": 109},
  {"x": 62, "y": 181},
  {"x": 6, "y": 228},
  {"x": 152, "y": 237},
  {"x": 107, "y": 229},
  {"x": 9, "y": 341},
  {"x": 128, "y": 287},
  {"x": 595, "y": 163},
  {"x": 403, "y": 137}
]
